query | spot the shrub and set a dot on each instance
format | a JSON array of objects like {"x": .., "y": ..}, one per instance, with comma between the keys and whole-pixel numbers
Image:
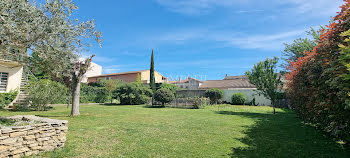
[
  {"x": 133, "y": 93},
  {"x": 200, "y": 102},
  {"x": 93, "y": 94},
  {"x": 44, "y": 92},
  {"x": 7, "y": 98},
  {"x": 170, "y": 87},
  {"x": 318, "y": 88},
  {"x": 239, "y": 99},
  {"x": 214, "y": 94},
  {"x": 164, "y": 96}
]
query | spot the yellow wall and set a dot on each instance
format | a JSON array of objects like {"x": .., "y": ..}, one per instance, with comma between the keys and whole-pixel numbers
[
  {"x": 146, "y": 74},
  {"x": 14, "y": 78}
]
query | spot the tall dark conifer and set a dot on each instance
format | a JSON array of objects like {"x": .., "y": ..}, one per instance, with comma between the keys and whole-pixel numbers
[{"x": 152, "y": 78}]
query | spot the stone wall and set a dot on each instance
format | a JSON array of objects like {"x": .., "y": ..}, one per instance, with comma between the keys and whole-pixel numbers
[{"x": 42, "y": 134}]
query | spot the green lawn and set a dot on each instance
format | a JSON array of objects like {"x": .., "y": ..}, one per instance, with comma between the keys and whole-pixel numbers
[{"x": 235, "y": 131}]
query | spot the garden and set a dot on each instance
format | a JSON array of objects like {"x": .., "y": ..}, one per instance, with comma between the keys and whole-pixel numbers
[
  {"x": 139, "y": 119},
  {"x": 234, "y": 131}
]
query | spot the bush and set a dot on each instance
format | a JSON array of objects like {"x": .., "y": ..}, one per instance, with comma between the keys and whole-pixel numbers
[
  {"x": 7, "y": 98},
  {"x": 170, "y": 87},
  {"x": 214, "y": 94},
  {"x": 239, "y": 99},
  {"x": 164, "y": 96},
  {"x": 133, "y": 93},
  {"x": 44, "y": 92},
  {"x": 92, "y": 94}
]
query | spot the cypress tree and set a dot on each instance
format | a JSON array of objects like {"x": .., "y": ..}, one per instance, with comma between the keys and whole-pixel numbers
[{"x": 152, "y": 78}]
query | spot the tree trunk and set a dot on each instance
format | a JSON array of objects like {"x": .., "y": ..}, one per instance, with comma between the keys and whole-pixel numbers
[
  {"x": 75, "y": 96},
  {"x": 273, "y": 105}
]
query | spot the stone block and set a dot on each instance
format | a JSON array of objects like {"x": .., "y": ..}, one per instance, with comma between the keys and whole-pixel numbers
[
  {"x": 8, "y": 141},
  {"x": 4, "y": 136},
  {"x": 20, "y": 150},
  {"x": 29, "y": 137},
  {"x": 17, "y": 134},
  {"x": 4, "y": 148}
]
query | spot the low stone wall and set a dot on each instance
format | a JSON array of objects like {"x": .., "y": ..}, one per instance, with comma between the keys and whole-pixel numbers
[{"x": 44, "y": 135}]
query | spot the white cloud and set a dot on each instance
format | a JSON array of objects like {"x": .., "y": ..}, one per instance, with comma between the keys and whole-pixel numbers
[{"x": 230, "y": 39}]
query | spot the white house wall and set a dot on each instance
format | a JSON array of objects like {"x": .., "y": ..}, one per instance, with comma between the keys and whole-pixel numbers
[{"x": 14, "y": 78}]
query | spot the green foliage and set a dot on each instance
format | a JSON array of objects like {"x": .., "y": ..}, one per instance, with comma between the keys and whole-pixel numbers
[
  {"x": 152, "y": 77},
  {"x": 170, "y": 87},
  {"x": 164, "y": 96},
  {"x": 44, "y": 92},
  {"x": 214, "y": 94},
  {"x": 133, "y": 93},
  {"x": 239, "y": 99},
  {"x": 296, "y": 49},
  {"x": 266, "y": 80},
  {"x": 138, "y": 78},
  {"x": 7, "y": 98},
  {"x": 109, "y": 85},
  {"x": 93, "y": 94}
]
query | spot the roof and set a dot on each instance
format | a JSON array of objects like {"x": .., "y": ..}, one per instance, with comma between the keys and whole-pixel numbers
[
  {"x": 9, "y": 63},
  {"x": 185, "y": 80},
  {"x": 122, "y": 73},
  {"x": 235, "y": 77},
  {"x": 224, "y": 84}
]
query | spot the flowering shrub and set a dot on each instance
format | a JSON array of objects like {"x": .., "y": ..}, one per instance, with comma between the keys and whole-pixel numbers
[{"x": 318, "y": 86}]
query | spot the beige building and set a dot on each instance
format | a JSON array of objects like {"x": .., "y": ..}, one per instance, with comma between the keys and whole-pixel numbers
[
  {"x": 94, "y": 70},
  {"x": 10, "y": 75},
  {"x": 130, "y": 76},
  {"x": 188, "y": 83}
]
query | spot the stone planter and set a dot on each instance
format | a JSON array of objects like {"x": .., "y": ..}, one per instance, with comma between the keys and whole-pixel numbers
[{"x": 40, "y": 135}]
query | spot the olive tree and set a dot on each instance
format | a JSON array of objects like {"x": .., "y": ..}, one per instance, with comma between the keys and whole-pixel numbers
[
  {"x": 267, "y": 81},
  {"x": 48, "y": 30}
]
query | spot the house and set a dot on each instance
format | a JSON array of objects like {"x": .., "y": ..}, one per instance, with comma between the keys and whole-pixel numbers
[
  {"x": 229, "y": 83},
  {"x": 10, "y": 75},
  {"x": 130, "y": 76},
  {"x": 94, "y": 70},
  {"x": 188, "y": 83},
  {"x": 11, "y": 79}
]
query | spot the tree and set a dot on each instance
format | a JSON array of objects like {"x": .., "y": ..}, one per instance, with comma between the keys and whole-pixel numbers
[
  {"x": 44, "y": 92},
  {"x": 214, "y": 94},
  {"x": 152, "y": 77},
  {"x": 133, "y": 93},
  {"x": 267, "y": 81},
  {"x": 138, "y": 78},
  {"x": 164, "y": 96},
  {"x": 299, "y": 46},
  {"x": 171, "y": 87},
  {"x": 48, "y": 31},
  {"x": 110, "y": 86}
]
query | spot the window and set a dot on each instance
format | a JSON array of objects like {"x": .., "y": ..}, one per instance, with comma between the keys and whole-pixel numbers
[{"x": 3, "y": 81}]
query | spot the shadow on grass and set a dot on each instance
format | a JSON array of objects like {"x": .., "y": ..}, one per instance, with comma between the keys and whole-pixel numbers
[
  {"x": 52, "y": 115},
  {"x": 284, "y": 135},
  {"x": 154, "y": 106}
]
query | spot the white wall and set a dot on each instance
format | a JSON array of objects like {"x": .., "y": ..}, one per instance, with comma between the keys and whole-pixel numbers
[
  {"x": 94, "y": 70},
  {"x": 14, "y": 78},
  {"x": 250, "y": 93}
]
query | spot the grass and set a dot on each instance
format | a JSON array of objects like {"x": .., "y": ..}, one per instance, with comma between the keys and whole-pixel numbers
[{"x": 228, "y": 131}]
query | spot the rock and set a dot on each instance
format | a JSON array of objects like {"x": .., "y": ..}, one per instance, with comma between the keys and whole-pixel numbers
[
  {"x": 8, "y": 141},
  {"x": 16, "y": 134}
]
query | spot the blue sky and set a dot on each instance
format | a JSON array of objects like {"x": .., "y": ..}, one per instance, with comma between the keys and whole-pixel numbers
[{"x": 205, "y": 39}]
